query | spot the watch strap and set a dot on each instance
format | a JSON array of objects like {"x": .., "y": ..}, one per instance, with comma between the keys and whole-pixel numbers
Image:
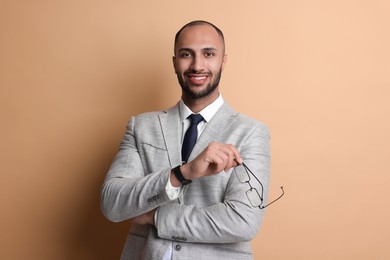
[{"x": 179, "y": 176}]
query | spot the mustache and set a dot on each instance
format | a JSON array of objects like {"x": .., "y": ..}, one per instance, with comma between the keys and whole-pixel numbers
[{"x": 197, "y": 72}]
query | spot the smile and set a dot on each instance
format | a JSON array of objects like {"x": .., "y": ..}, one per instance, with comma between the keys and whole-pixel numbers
[{"x": 198, "y": 77}]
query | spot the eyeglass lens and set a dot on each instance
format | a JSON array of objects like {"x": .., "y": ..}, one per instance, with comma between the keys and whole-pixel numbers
[
  {"x": 253, "y": 195},
  {"x": 241, "y": 173}
]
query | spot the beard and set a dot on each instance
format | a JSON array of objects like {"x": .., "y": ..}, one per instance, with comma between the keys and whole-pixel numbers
[{"x": 201, "y": 94}]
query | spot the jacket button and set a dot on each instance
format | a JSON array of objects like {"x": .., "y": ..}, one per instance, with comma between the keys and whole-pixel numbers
[{"x": 178, "y": 247}]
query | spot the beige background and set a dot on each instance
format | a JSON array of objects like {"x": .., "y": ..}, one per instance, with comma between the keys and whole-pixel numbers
[{"x": 316, "y": 72}]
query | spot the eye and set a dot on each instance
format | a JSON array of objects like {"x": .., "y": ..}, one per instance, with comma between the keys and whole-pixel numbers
[
  {"x": 209, "y": 54},
  {"x": 185, "y": 54}
]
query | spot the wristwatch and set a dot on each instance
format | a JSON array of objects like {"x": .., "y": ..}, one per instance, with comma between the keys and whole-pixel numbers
[{"x": 180, "y": 176}]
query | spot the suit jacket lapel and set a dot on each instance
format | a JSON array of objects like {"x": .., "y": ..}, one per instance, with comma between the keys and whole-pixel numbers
[
  {"x": 212, "y": 132},
  {"x": 171, "y": 129}
]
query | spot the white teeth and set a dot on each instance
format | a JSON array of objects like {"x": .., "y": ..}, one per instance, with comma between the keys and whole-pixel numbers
[{"x": 199, "y": 78}]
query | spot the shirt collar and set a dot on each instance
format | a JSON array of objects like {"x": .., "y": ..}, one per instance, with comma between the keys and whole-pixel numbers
[{"x": 207, "y": 112}]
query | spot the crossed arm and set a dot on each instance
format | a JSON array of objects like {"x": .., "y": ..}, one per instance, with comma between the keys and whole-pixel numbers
[
  {"x": 231, "y": 220},
  {"x": 216, "y": 158}
]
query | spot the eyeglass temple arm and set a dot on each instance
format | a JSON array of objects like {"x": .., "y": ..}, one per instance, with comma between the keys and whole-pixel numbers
[
  {"x": 262, "y": 207},
  {"x": 253, "y": 174}
]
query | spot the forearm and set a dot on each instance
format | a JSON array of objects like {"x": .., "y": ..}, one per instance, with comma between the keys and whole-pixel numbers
[
  {"x": 233, "y": 219},
  {"x": 128, "y": 191},
  {"x": 226, "y": 222},
  {"x": 126, "y": 198}
]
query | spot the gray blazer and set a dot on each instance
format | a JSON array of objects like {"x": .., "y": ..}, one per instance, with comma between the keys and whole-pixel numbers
[{"x": 212, "y": 218}]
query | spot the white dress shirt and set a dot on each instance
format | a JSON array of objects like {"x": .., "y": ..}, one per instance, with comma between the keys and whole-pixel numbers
[{"x": 207, "y": 113}]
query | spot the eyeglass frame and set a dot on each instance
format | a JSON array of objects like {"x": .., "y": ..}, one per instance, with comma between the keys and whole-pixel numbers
[{"x": 252, "y": 188}]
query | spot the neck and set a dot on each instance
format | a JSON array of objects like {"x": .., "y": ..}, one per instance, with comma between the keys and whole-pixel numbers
[{"x": 197, "y": 104}]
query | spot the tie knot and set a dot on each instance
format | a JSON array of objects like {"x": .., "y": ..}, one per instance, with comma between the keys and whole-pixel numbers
[{"x": 195, "y": 119}]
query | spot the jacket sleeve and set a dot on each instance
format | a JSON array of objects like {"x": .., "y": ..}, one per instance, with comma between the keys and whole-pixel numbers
[
  {"x": 232, "y": 220},
  {"x": 127, "y": 190}
]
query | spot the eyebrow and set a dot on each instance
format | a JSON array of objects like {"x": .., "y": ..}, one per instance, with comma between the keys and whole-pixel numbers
[
  {"x": 210, "y": 49},
  {"x": 204, "y": 49},
  {"x": 184, "y": 49}
]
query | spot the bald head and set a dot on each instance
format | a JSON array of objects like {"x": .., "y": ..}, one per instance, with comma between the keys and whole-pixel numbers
[{"x": 199, "y": 23}]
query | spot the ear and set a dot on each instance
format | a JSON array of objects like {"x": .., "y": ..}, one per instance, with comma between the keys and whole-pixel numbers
[
  {"x": 174, "y": 62},
  {"x": 224, "y": 60}
]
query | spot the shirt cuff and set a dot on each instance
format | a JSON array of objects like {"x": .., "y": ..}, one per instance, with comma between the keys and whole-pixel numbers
[{"x": 172, "y": 192}]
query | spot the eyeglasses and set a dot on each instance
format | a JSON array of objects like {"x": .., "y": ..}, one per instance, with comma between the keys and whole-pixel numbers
[{"x": 254, "y": 197}]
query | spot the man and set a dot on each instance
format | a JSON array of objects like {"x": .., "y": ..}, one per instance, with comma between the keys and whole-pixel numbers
[{"x": 197, "y": 209}]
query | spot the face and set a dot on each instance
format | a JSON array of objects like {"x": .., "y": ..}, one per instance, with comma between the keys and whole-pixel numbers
[{"x": 199, "y": 61}]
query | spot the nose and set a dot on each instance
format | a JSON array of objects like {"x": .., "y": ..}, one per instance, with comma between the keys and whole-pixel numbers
[{"x": 198, "y": 63}]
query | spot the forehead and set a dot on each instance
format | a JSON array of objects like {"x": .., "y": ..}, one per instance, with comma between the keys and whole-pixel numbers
[{"x": 199, "y": 37}]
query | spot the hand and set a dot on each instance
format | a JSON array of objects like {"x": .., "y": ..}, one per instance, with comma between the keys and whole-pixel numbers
[
  {"x": 215, "y": 158},
  {"x": 145, "y": 219}
]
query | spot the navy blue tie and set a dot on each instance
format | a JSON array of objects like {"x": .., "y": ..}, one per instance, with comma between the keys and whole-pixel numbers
[{"x": 190, "y": 136}]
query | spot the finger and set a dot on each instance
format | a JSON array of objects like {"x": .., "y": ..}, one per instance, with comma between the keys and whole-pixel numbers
[
  {"x": 228, "y": 160},
  {"x": 233, "y": 158},
  {"x": 237, "y": 155},
  {"x": 221, "y": 157},
  {"x": 221, "y": 160}
]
